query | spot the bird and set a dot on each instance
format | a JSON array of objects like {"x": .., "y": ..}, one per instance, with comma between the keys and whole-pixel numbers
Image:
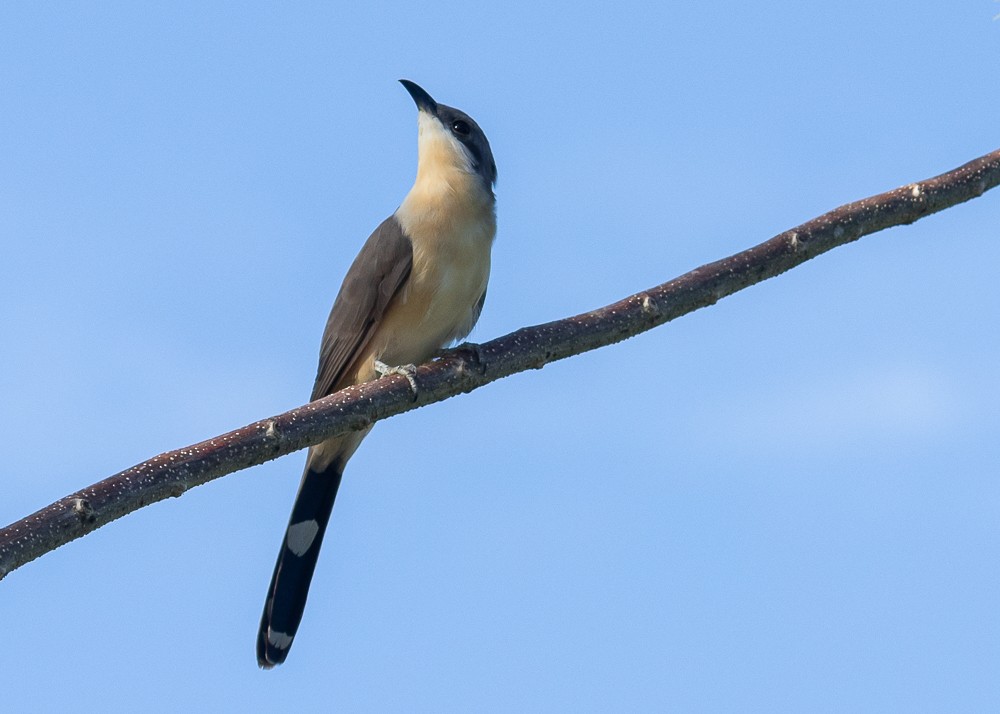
[{"x": 417, "y": 285}]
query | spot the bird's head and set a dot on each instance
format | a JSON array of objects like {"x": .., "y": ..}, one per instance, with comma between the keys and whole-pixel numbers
[{"x": 450, "y": 139}]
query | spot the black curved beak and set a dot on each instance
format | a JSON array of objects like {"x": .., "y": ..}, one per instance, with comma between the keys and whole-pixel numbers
[{"x": 424, "y": 101}]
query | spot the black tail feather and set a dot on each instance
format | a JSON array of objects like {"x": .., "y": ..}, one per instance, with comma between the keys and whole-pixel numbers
[{"x": 286, "y": 596}]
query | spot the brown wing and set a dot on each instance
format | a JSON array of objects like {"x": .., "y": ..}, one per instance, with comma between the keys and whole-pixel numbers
[{"x": 376, "y": 276}]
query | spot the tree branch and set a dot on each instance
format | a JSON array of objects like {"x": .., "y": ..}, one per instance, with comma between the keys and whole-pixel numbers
[{"x": 471, "y": 367}]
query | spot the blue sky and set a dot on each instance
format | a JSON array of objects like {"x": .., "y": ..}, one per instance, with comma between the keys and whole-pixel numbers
[{"x": 786, "y": 502}]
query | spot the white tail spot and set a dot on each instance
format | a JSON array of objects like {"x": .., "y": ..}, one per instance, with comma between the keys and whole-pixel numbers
[
  {"x": 279, "y": 639},
  {"x": 301, "y": 536}
]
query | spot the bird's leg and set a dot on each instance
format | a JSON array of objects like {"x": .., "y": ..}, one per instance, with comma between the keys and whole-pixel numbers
[
  {"x": 407, "y": 370},
  {"x": 468, "y": 352}
]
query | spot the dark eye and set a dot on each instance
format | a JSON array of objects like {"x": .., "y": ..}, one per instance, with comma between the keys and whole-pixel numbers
[{"x": 461, "y": 127}]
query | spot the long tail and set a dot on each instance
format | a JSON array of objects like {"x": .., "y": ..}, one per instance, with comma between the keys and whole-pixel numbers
[{"x": 286, "y": 596}]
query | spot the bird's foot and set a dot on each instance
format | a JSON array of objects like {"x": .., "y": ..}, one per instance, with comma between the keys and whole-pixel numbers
[
  {"x": 407, "y": 370},
  {"x": 468, "y": 352}
]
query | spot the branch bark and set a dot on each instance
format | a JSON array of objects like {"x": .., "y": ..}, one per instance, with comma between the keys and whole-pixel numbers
[{"x": 470, "y": 367}]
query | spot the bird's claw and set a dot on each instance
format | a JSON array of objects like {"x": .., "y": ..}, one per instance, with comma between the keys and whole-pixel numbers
[
  {"x": 468, "y": 352},
  {"x": 407, "y": 370}
]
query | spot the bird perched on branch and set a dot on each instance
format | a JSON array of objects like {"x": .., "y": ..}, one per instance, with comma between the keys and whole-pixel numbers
[{"x": 418, "y": 284}]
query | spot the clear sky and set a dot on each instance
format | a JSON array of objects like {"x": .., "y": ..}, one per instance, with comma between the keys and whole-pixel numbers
[{"x": 789, "y": 501}]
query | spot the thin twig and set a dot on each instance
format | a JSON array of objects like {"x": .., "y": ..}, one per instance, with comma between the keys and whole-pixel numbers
[{"x": 463, "y": 370}]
